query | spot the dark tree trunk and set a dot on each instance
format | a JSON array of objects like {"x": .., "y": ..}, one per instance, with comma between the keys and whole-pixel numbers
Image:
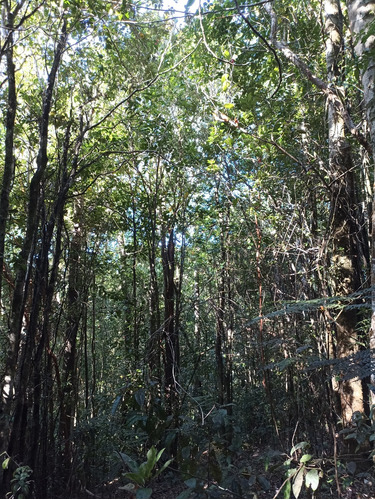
[
  {"x": 20, "y": 366},
  {"x": 172, "y": 349},
  {"x": 9, "y": 162}
]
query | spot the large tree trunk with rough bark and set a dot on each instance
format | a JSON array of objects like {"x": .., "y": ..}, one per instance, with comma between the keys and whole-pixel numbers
[{"x": 349, "y": 249}]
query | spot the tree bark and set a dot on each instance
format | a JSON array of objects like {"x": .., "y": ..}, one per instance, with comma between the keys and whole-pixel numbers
[
  {"x": 172, "y": 348},
  {"x": 76, "y": 301},
  {"x": 25, "y": 258},
  {"x": 9, "y": 162},
  {"x": 349, "y": 253},
  {"x": 361, "y": 15},
  {"x": 19, "y": 365}
]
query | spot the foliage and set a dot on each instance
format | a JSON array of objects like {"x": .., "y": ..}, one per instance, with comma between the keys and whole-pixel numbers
[
  {"x": 186, "y": 263},
  {"x": 305, "y": 472},
  {"x": 142, "y": 474}
]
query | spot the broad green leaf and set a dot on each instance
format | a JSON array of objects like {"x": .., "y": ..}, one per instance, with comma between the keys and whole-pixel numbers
[
  {"x": 189, "y": 4},
  {"x": 312, "y": 479},
  {"x": 191, "y": 482},
  {"x": 305, "y": 458},
  {"x": 291, "y": 472},
  {"x": 266, "y": 485},
  {"x": 145, "y": 469},
  {"x": 151, "y": 455},
  {"x": 115, "y": 405},
  {"x": 299, "y": 446},
  {"x": 136, "y": 477},
  {"x": 229, "y": 105},
  {"x": 133, "y": 466},
  {"x": 167, "y": 463},
  {"x": 139, "y": 396},
  {"x": 144, "y": 493},
  {"x": 298, "y": 482},
  {"x": 186, "y": 493},
  {"x": 159, "y": 454},
  {"x": 5, "y": 463},
  {"x": 351, "y": 467}
]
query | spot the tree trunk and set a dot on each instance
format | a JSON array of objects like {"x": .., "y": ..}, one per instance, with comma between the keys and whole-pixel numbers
[
  {"x": 74, "y": 311},
  {"x": 361, "y": 15},
  {"x": 19, "y": 360},
  {"x": 172, "y": 349},
  {"x": 9, "y": 162},
  {"x": 349, "y": 254}
]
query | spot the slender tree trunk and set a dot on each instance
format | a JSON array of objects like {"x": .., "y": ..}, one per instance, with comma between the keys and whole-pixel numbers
[
  {"x": 93, "y": 347},
  {"x": 154, "y": 351},
  {"x": 75, "y": 304},
  {"x": 9, "y": 162},
  {"x": 197, "y": 382},
  {"x": 220, "y": 343},
  {"x": 172, "y": 350},
  {"x": 134, "y": 279}
]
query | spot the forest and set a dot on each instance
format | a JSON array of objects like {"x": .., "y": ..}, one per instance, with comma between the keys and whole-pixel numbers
[{"x": 187, "y": 260}]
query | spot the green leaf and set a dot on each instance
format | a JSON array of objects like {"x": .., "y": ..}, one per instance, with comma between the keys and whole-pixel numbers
[
  {"x": 5, "y": 463},
  {"x": 266, "y": 485},
  {"x": 133, "y": 466},
  {"x": 229, "y": 105},
  {"x": 115, "y": 405},
  {"x": 159, "y": 454},
  {"x": 305, "y": 458},
  {"x": 287, "y": 490},
  {"x": 299, "y": 446},
  {"x": 291, "y": 472},
  {"x": 145, "y": 470},
  {"x": 191, "y": 483},
  {"x": 312, "y": 479},
  {"x": 189, "y": 4},
  {"x": 351, "y": 467},
  {"x": 139, "y": 396},
  {"x": 298, "y": 482},
  {"x": 151, "y": 455},
  {"x": 186, "y": 493},
  {"x": 163, "y": 468},
  {"x": 136, "y": 477},
  {"x": 144, "y": 493}
]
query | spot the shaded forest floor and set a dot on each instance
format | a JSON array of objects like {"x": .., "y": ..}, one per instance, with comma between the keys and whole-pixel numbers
[{"x": 255, "y": 474}]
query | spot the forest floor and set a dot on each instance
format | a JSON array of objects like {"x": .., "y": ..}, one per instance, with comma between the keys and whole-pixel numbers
[{"x": 256, "y": 476}]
